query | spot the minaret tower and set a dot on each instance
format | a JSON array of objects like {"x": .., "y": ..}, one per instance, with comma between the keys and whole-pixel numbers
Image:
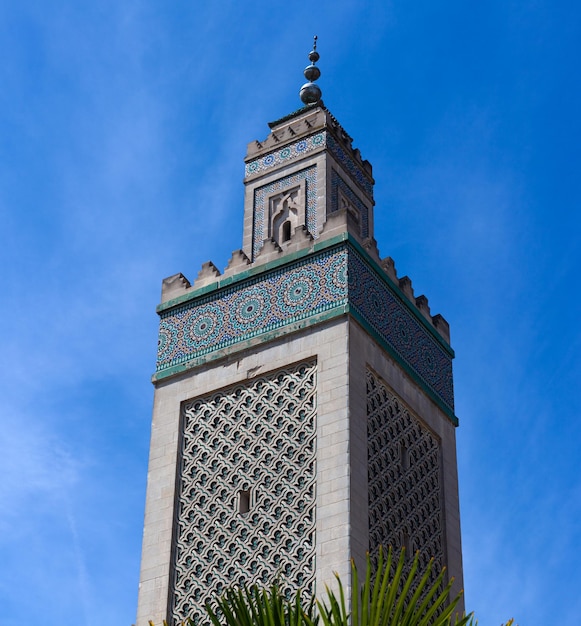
[{"x": 304, "y": 409}]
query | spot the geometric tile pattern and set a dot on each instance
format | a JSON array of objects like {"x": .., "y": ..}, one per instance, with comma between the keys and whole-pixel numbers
[
  {"x": 272, "y": 300},
  {"x": 337, "y": 183},
  {"x": 306, "y": 145},
  {"x": 350, "y": 165},
  {"x": 335, "y": 278},
  {"x": 256, "y": 439},
  {"x": 391, "y": 319},
  {"x": 261, "y": 210},
  {"x": 404, "y": 479},
  {"x": 290, "y": 151}
]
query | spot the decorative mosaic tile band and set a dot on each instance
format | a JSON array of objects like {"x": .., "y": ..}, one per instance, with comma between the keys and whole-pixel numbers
[
  {"x": 391, "y": 319},
  {"x": 350, "y": 165},
  {"x": 338, "y": 183},
  {"x": 299, "y": 148},
  {"x": 277, "y": 298},
  {"x": 304, "y": 146},
  {"x": 304, "y": 289},
  {"x": 262, "y": 194}
]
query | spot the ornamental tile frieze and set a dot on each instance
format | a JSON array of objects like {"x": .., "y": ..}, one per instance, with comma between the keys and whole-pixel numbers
[
  {"x": 350, "y": 165},
  {"x": 403, "y": 332},
  {"x": 303, "y": 147},
  {"x": 329, "y": 283},
  {"x": 275, "y": 299},
  {"x": 290, "y": 151}
]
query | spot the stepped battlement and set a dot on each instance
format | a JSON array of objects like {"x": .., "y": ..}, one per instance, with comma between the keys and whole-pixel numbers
[{"x": 210, "y": 278}]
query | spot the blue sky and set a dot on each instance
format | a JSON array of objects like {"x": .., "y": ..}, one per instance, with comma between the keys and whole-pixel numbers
[{"x": 123, "y": 127}]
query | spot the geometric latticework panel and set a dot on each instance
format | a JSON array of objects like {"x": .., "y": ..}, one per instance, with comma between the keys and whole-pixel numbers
[
  {"x": 404, "y": 479},
  {"x": 246, "y": 489}
]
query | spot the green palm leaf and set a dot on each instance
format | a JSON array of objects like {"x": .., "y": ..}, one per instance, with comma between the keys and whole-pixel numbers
[
  {"x": 254, "y": 606},
  {"x": 392, "y": 599},
  {"x": 387, "y": 597}
]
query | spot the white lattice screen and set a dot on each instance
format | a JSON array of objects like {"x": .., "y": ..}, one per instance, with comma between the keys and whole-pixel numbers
[
  {"x": 404, "y": 478},
  {"x": 246, "y": 489}
]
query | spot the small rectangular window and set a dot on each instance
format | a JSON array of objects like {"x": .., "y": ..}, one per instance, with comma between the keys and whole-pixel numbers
[
  {"x": 243, "y": 501},
  {"x": 405, "y": 457}
]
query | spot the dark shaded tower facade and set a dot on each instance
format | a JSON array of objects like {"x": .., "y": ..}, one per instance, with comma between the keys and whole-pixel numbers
[{"x": 304, "y": 409}]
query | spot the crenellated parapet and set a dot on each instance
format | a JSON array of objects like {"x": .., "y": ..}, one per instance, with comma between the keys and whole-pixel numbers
[
  {"x": 282, "y": 293},
  {"x": 297, "y": 135},
  {"x": 302, "y": 242}
]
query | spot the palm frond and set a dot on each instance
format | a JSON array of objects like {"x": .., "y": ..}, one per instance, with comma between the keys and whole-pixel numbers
[
  {"x": 389, "y": 597},
  {"x": 391, "y": 594},
  {"x": 256, "y": 606}
]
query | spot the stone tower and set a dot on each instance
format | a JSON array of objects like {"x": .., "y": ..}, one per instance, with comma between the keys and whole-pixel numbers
[{"x": 304, "y": 409}]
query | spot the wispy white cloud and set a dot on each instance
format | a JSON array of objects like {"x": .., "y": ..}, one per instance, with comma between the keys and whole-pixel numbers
[{"x": 36, "y": 466}]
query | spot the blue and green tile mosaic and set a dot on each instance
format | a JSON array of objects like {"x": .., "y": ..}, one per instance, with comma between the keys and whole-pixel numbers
[
  {"x": 393, "y": 322},
  {"x": 261, "y": 209},
  {"x": 338, "y": 183},
  {"x": 334, "y": 279},
  {"x": 350, "y": 165},
  {"x": 298, "y": 148},
  {"x": 306, "y": 145},
  {"x": 260, "y": 305}
]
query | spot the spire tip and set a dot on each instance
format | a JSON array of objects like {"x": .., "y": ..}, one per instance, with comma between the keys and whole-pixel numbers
[{"x": 311, "y": 93}]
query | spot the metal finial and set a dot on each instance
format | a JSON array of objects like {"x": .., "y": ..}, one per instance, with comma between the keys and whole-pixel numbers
[
  {"x": 311, "y": 93},
  {"x": 313, "y": 54}
]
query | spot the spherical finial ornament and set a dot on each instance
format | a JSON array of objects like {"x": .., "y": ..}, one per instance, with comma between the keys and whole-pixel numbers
[
  {"x": 311, "y": 93},
  {"x": 312, "y": 72},
  {"x": 313, "y": 54}
]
